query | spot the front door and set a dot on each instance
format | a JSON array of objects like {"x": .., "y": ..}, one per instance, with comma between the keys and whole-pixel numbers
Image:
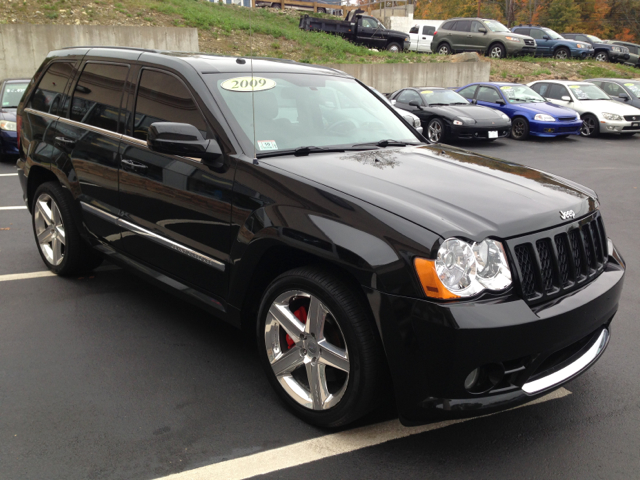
[{"x": 177, "y": 209}]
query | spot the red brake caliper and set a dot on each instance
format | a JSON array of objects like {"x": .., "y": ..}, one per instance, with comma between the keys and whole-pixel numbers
[{"x": 301, "y": 314}]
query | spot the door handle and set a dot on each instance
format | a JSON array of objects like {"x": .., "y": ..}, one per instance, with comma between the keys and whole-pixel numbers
[
  {"x": 64, "y": 143},
  {"x": 132, "y": 166}
]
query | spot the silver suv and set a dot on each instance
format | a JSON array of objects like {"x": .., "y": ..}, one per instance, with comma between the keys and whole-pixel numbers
[{"x": 488, "y": 37}]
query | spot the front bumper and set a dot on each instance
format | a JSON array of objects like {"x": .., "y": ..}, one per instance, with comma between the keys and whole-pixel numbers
[
  {"x": 407, "y": 46},
  {"x": 582, "y": 53},
  {"x": 608, "y": 126},
  {"x": 9, "y": 143},
  {"x": 554, "y": 129},
  {"x": 432, "y": 347},
  {"x": 480, "y": 131},
  {"x": 518, "y": 49}
]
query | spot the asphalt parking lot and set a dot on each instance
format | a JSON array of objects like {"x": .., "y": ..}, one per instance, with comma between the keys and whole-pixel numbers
[{"x": 106, "y": 377}]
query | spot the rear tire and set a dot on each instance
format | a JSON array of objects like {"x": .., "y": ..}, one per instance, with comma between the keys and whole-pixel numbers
[
  {"x": 519, "y": 129},
  {"x": 444, "y": 49},
  {"x": 320, "y": 394},
  {"x": 55, "y": 229},
  {"x": 394, "y": 48},
  {"x": 590, "y": 126}
]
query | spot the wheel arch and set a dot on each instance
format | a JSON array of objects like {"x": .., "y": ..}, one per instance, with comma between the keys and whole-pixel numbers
[
  {"x": 494, "y": 43},
  {"x": 444, "y": 42},
  {"x": 37, "y": 176}
]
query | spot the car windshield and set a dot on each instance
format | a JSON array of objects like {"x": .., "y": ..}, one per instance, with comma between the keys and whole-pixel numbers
[
  {"x": 588, "y": 92},
  {"x": 383, "y": 97},
  {"x": 552, "y": 35},
  {"x": 633, "y": 87},
  {"x": 443, "y": 97},
  {"x": 496, "y": 26},
  {"x": 594, "y": 39},
  {"x": 294, "y": 110},
  {"x": 12, "y": 94},
  {"x": 520, "y": 94}
]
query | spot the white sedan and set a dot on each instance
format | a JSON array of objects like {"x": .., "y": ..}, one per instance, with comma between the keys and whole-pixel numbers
[{"x": 599, "y": 113}]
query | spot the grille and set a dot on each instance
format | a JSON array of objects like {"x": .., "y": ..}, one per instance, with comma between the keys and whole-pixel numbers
[
  {"x": 560, "y": 260},
  {"x": 632, "y": 118},
  {"x": 528, "y": 41},
  {"x": 567, "y": 119}
]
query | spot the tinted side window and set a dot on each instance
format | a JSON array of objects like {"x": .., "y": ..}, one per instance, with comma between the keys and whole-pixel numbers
[
  {"x": 523, "y": 31},
  {"x": 428, "y": 30},
  {"x": 537, "y": 34},
  {"x": 414, "y": 29},
  {"x": 488, "y": 94},
  {"x": 582, "y": 38},
  {"x": 49, "y": 96},
  {"x": 164, "y": 98},
  {"x": 409, "y": 96},
  {"x": 612, "y": 89},
  {"x": 463, "y": 26},
  {"x": 97, "y": 96},
  {"x": 448, "y": 26},
  {"x": 557, "y": 91},
  {"x": 476, "y": 26},
  {"x": 468, "y": 92}
]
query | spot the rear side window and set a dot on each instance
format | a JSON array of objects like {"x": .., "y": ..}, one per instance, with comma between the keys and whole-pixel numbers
[
  {"x": 49, "y": 96},
  {"x": 468, "y": 92},
  {"x": 414, "y": 29},
  {"x": 428, "y": 30},
  {"x": 523, "y": 31},
  {"x": 164, "y": 98},
  {"x": 463, "y": 26},
  {"x": 97, "y": 96},
  {"x": 540, "y": 88}
]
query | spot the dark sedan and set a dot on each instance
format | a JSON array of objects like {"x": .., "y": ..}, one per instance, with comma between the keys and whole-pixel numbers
[
  {"x": 11, "y": 91},
  {"x": 447, "y": 115},
  {"x": 620, "y": 89}
]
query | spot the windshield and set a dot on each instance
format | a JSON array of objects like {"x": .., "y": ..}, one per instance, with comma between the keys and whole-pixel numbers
[
  {"x": 552, "y": 35},
  {"x": 594, "y": 39},
  {"x": 496, "y": 26},
  {"x": 12, "y": 94},
  {"x": 295, "y": 110},
  {"x": 383, "y": 97},
  {"x": 588, "y": 92},
  {"x": 444, "y": 97},
  {"x": 634, "y": 88},
  {"x": 521, "y": 94}
]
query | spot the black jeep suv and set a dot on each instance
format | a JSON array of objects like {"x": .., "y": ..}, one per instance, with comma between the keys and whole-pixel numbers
[
  {"x": 290, "y": 200},
  {"x": 602, "y": 52}
]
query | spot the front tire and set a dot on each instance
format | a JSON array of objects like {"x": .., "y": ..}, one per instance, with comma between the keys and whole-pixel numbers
[
  {"x": 497, "y": 51},
  {"x": 562, "y": 54},
  {"x": 601, "y": 57},
  {"x": 590, "y": 126},
  {"x": 394, "y": 48},
  {"x": 519, "y": 129},
  {"x": 55, "y": 228},
  {"x": 319, "y": 347},
  {"x": 435, "y": 131}
]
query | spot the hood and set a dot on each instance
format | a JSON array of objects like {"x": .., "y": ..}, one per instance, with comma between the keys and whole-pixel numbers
[
  {"x": 547, "y": 108},
  {"x": 477, "y": 112},
  {"x": 447, "y": 190},
  {"x": 609, "y": 106},
  {"x": 517, "y": 35},
  {"x": 397, "y": 33},
  {"x": 8, "y": 114}
]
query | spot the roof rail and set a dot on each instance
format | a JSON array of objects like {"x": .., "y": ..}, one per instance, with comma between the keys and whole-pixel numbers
[{"x": 113, "y": 47}]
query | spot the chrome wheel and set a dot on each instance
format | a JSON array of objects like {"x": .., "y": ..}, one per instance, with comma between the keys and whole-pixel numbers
[
  {"x": 49, "y": 229},
  {"x": 434, "y": 131},
  {"x": 588, "y": 126},
  {"x": 394, "y": 49},
  {"x": 601, "y": 57},
  {"x": 562, "y": 54},
  {"x": 443, "y": 50},
  {"x": 307, "y": 350},
  {"x": 496, "y": 52}
]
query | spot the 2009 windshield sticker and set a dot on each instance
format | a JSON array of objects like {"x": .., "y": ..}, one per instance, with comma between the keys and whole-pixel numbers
[
  {"x": 248, "y": 84},
  {"x": 506, "y": 88},
  {"x": 427, "y": 92},
  {"x": 266, "y": 145}
]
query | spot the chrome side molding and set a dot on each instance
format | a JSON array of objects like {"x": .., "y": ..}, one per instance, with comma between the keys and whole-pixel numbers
[{"x": 570, "y": 370}]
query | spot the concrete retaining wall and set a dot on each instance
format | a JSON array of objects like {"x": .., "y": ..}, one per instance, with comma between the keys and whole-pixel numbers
[
  {"x": 389, "y": 77},
  {"x": 24, "y": 47}
]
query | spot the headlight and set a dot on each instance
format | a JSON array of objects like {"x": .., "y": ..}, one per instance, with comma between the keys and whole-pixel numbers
[
  {"x": 580, "y": 45},
  {"x": 544, "y": 118},
  {"x": 458, "y": 122},
  {"x": 504, "y": 117},
  {"x": 513, "y": 39},
  {"x": 416, "y": 122},
  {"x": 7, "y": 125},
  {"x": 463, "y": 120},
  {"x": 463, "y": 270},
  {"x": 607, "y": 116},
  {"x": 616, "y": 49}
]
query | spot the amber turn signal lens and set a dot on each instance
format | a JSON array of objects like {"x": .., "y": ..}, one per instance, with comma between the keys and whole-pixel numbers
[{"x": 431, "y": 284}]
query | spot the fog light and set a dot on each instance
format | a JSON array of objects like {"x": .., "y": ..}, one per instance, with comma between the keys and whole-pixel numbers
[{"x": 471, "y": 379}]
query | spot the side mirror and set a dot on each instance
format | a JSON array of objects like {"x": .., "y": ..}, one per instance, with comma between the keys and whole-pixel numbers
[
  {"x": 501, "y": 103},
  {"x": 474, "y": 101},
  {"x": 545, "y": 37},
  {"x": 482, "y": 30},
  {"x": 624, "y": 96},
  {"x": 393, "y": 102},
  {"x": 415, "y": 103},
  {"x": 566, "y": 98},
  {"x": 185, "y": 140}
]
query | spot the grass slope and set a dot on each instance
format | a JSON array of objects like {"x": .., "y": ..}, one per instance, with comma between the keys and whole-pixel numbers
[{"x": 232, "y": 30}]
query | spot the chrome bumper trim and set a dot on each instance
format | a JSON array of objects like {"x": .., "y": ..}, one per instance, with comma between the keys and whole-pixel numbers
[{"x": 570, "y": 370}]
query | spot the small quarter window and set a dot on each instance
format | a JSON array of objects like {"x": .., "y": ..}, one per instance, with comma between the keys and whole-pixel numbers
[
  {"x": 97, "y": 96},
  {"x": 49, "y": 96},
  {"x": 414, "y": 29},
  {"x": 164, "y": 98}
]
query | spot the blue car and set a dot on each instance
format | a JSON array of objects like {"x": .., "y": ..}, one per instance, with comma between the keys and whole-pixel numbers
[
  {"x": 11, "y": 91},
  {"x": 552, "y": 44},
  {"x": 530, "y": 113}
]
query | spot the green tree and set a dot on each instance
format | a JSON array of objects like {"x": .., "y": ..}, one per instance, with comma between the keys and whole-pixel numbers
[{"x": 560, "y": 15}]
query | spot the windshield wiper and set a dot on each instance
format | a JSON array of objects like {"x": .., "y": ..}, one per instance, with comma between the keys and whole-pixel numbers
[
  {"x": 387, "y": 143},
  {"x": 439, "y": 104},
  {"x": 457, "y": 103},
  {"x": 304, "y": 151}
]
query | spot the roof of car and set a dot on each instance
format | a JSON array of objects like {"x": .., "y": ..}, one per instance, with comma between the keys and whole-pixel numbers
[
  {"x": 563, "y": 82},
  {"x": 430, "y": 88},
  {"x": 210, "y": 63},
  {"x": 499, "y": 84},
  {"x": 617, "y": 80},
  {"x": 10, "y": 80}
]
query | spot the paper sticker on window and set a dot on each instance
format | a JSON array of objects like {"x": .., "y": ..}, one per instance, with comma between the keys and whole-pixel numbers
[
  {"x": 628, "y": 84},
  {"x": 248, "y": 84},
  {"x": 506, "y": 88},
  {"x": 267, "y": 145},
  {"x": 4, "y": 104},
  {"x": 427, "y": 92}
]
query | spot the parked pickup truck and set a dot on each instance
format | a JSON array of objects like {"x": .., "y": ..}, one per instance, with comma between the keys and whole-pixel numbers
[
  {"x": 359, "y": 29},
  {"x": 421, "y": 35}
]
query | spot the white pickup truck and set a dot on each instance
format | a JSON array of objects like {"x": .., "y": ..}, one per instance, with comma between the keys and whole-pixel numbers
[{"x": 421, "y": 35}]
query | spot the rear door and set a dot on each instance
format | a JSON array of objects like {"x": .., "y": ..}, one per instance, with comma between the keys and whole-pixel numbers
[
  {"x": 425, "y": 38},
  {"x": 177, "y": 209},
  {"x": 462, "y": 36},
  {"x": 88, "y": 135}
]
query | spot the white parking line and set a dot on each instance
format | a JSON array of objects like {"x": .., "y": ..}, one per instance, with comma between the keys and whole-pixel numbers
[
  {"x": 323, "y": 447},
  {"x": 13, "y": 208},
  {"x": 47, "y": 273},
  {"x": 8, "y": 174}
]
